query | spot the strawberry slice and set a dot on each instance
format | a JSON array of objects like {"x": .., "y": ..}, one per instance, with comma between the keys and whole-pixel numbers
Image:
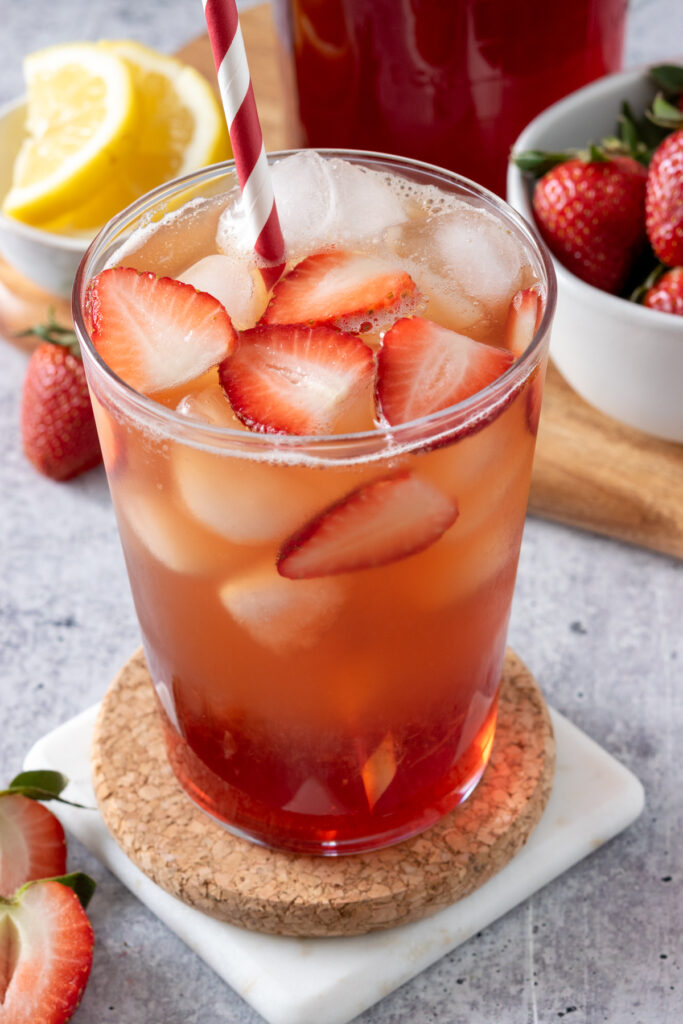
[
  {"x": 378, "y": 523},
  {"x": 332, "y": 285},
  {"x": 32, "y": 844},
  {"x": 423, "y": 368},
  {"x": 155, "y": 332},
  {"x": 46, "y": 946},
  {"x": 299, "y": 380},
  {"x": 524, "y": 316}
]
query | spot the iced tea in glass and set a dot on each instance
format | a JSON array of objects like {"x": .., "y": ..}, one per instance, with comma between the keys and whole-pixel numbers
[{"x": 324, "y": 608}]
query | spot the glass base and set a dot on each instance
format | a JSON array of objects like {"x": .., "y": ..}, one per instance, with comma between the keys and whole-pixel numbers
[{"x": 305, "y": 833}]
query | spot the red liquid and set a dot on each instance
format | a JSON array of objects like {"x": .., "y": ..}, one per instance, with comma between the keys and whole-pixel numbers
[
  {"x": 387, "y": 721},
  {"x": 450, "y": 82}
]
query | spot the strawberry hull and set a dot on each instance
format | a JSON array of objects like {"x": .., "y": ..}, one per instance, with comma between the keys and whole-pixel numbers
[{"x": 325, "y": 618}]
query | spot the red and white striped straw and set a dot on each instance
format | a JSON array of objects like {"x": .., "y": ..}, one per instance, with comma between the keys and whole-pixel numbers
[{"x": 237, "y": 95}]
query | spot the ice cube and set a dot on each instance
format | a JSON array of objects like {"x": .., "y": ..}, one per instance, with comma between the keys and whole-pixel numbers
[
  {"x": 458, "y": 568},
  {"x": 234, "y": 282},
  {"x": 209, "y": 405},
  {"x": 479, "y": 255},
  {"x": 486, "y": 461},
  {"x": 153, "y": 519},
  {"x": 379, "y": 770},
  {"x": 165, "y": 695},
  {"x": 248, "y": 502},
  {"x": 447, "y": 301},
  {"x": 283, "y": 615},
  {"x": 319, "y": 201}
]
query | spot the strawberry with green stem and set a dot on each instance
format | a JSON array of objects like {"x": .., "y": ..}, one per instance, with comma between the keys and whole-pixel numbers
[
  {"x": 46, "y": 939},
  {"x": 590, "y": 210},
  {"x": 32, "y": 843},
  {"x": 57, "y": 423},
  {"x": 46, "y": 950}
]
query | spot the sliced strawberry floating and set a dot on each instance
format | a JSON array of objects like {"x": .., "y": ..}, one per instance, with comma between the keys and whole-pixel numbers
[
  {"x": 423, "y": 368},
  {"x": 299, "y": 380},
  {"x": 332, "y": 285},
  {"x": 46, "y": 948},
  {"x": 523, "y": 319},
  {"x": 32, "y": 844},
  {"x": 524, "y": 316},
  {"x": 378, "y": 523},
  {"x": 534, "y": 397},
  {"x": 156, "y": 332}
]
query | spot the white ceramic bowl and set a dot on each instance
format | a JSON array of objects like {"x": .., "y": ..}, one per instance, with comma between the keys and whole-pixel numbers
[
  {"x": 47, "y": 259},
  {"x": 621, "y": 357}
]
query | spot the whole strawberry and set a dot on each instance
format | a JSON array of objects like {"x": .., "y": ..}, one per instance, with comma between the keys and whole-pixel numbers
[
  {"x": 57, "y": 422},
  {"x": 667, "y": 293},
  {"x": 592, "y": 216},
  {"x": 664, "y": 200}
]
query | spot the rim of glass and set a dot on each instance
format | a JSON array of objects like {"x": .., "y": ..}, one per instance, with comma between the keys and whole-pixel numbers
[{"x": 463, "y": 415}]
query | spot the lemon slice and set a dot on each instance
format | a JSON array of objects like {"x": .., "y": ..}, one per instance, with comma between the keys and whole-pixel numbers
[
  {"x": 81, "y": 114},
  {"x": 182, "y": 126},
  {"x": 179, "y": 128}
]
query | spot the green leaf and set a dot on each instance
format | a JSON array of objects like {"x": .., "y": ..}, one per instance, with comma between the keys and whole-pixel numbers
[
  {"x": 631, "y": 136},
  {"x": 83, "y": 885},
  {"x": 669, "y": 78},
  {"x": 639, "y": 293},
  {"x": 46, "y": 781},
  {"x": 41, "y": 785},
  {"x": 537, "y": 161},
  {"x": 649, "y": 134},
  {"x": 54, "y": 333},
  {"x": 596, "y": 155},
  {"x": 665, "y": 114}
]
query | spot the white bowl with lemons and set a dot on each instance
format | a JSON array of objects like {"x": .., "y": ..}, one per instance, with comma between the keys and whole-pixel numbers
[
  {"x": 102, "y": 124},
  {"x": 47, "y": 259}
]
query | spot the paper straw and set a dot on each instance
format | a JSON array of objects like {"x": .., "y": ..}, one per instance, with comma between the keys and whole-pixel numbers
[{"x": 237, "y": 95}]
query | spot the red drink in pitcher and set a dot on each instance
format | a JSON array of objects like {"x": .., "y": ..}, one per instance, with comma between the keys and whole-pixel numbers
[
  {"x": 450, "y": 82},
  {"x": 321, "y": 492}
]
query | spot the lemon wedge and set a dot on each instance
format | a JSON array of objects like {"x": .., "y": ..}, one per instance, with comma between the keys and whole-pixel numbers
[
  {"x": 81, "y": 115},
  {"x": 181, "y": 126},
  {"x": 174, "y": 125}
]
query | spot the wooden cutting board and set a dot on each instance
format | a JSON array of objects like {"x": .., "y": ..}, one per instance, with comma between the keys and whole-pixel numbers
[{"x": 589, "y": 471}]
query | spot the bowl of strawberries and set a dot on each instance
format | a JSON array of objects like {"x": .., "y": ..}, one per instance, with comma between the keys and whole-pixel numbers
[{"x": 600, "y": 175}]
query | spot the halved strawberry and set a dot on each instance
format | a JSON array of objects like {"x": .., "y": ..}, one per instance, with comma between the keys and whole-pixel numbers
[
  {"x": 423, "y": 368},
  {"x": 332, "y": 285},
  {"x": 46, "y": 947},
  {"x": 378, "y": 523},
  {"x": 156, "y": 332},
  {"x": 32, "y": 844},
  {"x": 524, "y": 316},
  {"x": 299, "y": 380}
]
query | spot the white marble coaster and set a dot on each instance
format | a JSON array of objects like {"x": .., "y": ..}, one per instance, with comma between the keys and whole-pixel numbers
[{"x": 305, "y": 981}]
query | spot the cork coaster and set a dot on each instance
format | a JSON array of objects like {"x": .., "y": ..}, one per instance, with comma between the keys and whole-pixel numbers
[{"x": 192, "y": 857}]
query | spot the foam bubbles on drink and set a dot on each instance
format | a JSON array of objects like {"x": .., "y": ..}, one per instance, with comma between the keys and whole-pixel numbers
[
  {"x": 171, "y": 243},
  {"x": 320, "y": 202},
  {"x": 372, "y": 326}
]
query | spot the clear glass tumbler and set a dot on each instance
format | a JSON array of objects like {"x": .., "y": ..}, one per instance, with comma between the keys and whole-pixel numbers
[{"x": 348, "y": 711}]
